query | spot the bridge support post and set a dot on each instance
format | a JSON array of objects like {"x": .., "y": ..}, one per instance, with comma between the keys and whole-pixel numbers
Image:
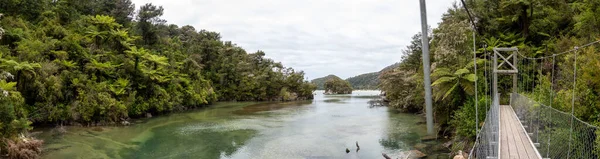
[
  {"x": 497, "y": 69},
  {"x": 495, "y": 76},
  {"x": 514, "y": 82},
  {"x": 426, "y": 69},
  {"x": 511, "y": 65}
]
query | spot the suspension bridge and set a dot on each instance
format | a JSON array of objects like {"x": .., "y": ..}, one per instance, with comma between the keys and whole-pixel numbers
[
  {"x": 523, "y": 122},
  {"x": 528, "y": 125}
]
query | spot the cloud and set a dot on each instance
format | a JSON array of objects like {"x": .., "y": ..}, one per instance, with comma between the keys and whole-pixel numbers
[{"x": 320, "y": 37}]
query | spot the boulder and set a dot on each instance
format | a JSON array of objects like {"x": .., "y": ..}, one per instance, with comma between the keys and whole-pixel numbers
[
  {"x": 448, "y": 144},
  {"x": 414, "y": 154},
  {"x": 460, "y": 155},
  {"x": 148, "y": 115},
  {"x": 420, "y": 146},
  {"x": 428, "y": 138},
  {"x": 439, "y": 148}
]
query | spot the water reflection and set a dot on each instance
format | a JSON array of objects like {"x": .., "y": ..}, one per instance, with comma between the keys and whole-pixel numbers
[{"x": 321, "y": 128}]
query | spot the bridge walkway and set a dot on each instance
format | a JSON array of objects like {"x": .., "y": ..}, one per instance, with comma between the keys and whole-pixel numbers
[{"x": 514, "y": 141}]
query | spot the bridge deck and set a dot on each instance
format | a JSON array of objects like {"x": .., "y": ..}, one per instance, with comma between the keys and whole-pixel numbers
[{"x": 514, "y": 142}]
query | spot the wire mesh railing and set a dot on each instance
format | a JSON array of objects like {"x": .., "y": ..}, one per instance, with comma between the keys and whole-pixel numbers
[
  {"x": 486, "y": 143},
  {"x": 556, "y": 134}
]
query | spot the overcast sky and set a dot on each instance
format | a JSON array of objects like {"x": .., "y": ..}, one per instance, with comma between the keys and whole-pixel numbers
[{"x": 320, "y": 37}]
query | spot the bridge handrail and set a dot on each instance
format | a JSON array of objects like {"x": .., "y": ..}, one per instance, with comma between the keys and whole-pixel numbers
[
  {"x": 487, "y": 141},
  {"x": 557, "y": 134}
]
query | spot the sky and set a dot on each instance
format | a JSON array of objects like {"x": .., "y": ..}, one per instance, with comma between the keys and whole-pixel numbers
[{"x": 320, "y": 37}]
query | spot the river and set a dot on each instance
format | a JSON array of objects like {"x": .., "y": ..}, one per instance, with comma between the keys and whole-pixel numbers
[{"x": 320, "y": 128}]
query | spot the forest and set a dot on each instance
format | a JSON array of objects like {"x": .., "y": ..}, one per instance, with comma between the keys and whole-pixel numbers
[
  {"x": 101, "y": 62},
  {"x": 337, "y": 86},
  {"x": 538, "y": 28},
  {"x": 369, "y": 81}
]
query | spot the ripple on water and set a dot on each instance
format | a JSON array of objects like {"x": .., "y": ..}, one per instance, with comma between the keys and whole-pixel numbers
[{"x": 315, "y": 129}]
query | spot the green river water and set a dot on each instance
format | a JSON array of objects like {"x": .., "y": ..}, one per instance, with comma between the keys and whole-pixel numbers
[{"x": 321, "y": 128}]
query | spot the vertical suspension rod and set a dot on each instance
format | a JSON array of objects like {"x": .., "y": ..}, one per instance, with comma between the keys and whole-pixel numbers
[{"x": 573, "y": 101}]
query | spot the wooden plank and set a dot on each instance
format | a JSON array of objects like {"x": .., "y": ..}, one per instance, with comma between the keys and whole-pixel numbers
[
  {"x": 506, "y": 49},
  {"x": 516, "y": 134},
  {"x": 531, "y": 153},
  {"x": 503, "y": 138},
  {"x": 513, "y": 147},
  {"x": 514, "y": 142}
]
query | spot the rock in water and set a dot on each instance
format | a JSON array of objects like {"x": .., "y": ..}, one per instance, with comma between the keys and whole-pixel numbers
[
  {"x": 347, "y": 150},
  {"x": 385, "y": 156}
]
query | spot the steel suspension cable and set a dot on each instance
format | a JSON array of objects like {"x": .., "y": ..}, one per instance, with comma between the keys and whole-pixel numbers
[
  {"x": 573, "y": 101},
  {"x": 476, "y": 80},
  {"x": 551, "y": 101},
  {"x": 542, "y": 63},
  {"x": 561, "y": 53},
  {"x": 485, "y": 72},
  {"x": 533, "y": 72}
]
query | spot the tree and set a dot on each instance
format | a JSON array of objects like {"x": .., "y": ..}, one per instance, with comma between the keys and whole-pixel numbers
[
  {"x": 22, "y": 69},
  {"x": 337, "y": 86},
  {"x": 148, "y": 17},
  {"x": 460, "y": 82},
  {"x": 87, "y": 61}
]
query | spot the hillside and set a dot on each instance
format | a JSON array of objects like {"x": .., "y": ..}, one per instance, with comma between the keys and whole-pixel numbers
[
  {"x": 320, "y": 82},
  {"x": 90, "y": 62},
  {"x": 364, "y": 81},
  {"x": 368, "y": 80}
]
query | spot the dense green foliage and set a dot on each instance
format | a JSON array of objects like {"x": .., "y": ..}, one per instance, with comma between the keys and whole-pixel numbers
[
  {"x": 369, "y": 81},
  {"x": 89, "y": 61},
  {"x": 401, "y": 83},
  {"x": 320, "y": 82},
  {"x": 364, "y": 81},
  {"x": 537, "y": 27},
  {"x": 337, "y": 86}
]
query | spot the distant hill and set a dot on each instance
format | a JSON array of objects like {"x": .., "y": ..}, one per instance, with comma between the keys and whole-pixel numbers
[
  {"x": 369, "y": 80},
  {"x": 364, "y": 81},
  {"x": 390, "y": 67},
  {"x": 320, "y": 82}
]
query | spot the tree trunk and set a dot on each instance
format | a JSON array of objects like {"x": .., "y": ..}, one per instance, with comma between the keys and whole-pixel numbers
[{"x": 525, "y": 20}]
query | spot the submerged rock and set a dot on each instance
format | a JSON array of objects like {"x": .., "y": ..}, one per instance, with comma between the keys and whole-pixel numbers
[
  {"x": 97, "y": 128},
  {"x": 59, "y": 130},
  {"x": 439, "y": 148}
]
